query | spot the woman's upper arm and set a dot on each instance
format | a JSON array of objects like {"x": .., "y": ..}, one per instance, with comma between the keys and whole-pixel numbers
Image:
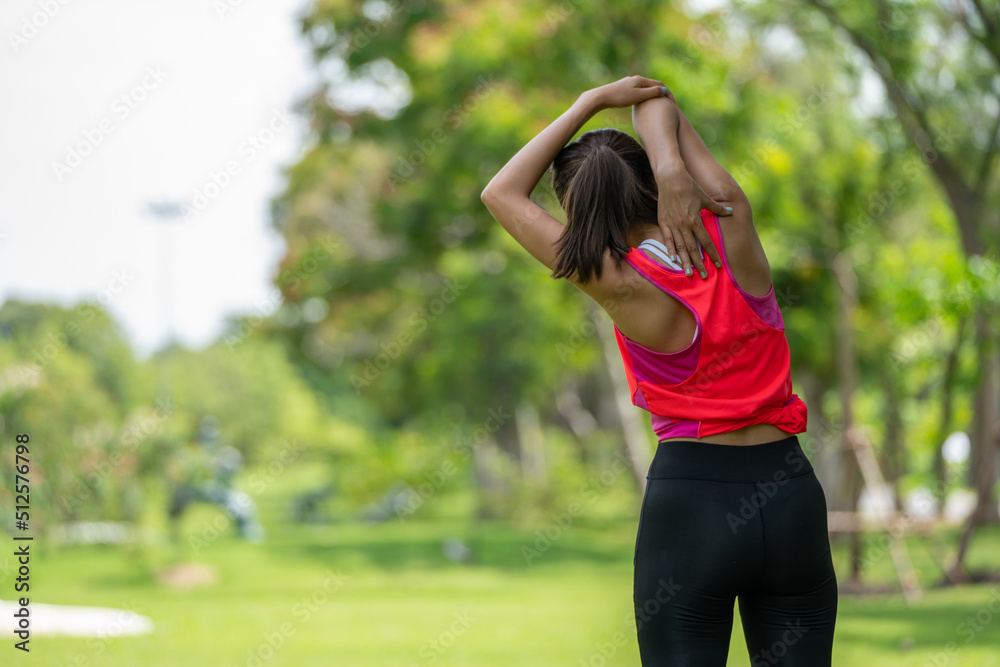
[
  {"x": 704, "y": 168},
  {"x": 529, "y": 224},
  {"x": 744, "y": 251},
  {"x": 538, "y": 233}
]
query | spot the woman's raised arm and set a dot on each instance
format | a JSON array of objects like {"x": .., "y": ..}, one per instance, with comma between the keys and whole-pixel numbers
[
  {"x": 688, "y": 177},
  {"x": 507, "y": 195},
  {"x": 686, "y": 165}
]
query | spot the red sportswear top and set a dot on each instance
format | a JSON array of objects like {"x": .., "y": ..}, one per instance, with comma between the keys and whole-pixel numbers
[{"x": 736, "y": 370}]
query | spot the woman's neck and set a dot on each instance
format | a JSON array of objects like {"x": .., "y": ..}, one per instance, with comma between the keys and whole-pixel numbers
[{"x": 641, "y": 232}]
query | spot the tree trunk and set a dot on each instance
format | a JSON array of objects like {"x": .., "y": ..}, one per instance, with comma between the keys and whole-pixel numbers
[
  {"x": 893, "y": 452},
  {"x": 970, "y": 201},
  {"x": 944, "y": 430},
  {"x": 634, "y": 432},
  {"x": 983, "y": 456},
  {"x": 487, "y": 462},
  {"x": 847, "y": 296},
  {"x": 823, "y": 438},
  {"x": 579, "y": 419},
  {"x": 530, "y": 439}
]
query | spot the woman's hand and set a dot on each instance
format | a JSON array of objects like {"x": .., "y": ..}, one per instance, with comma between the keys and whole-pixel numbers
[
  {"x": 680, "y": 198},
  {"x": 679, "y": 203},
  {"x": 628, "y": 91}
]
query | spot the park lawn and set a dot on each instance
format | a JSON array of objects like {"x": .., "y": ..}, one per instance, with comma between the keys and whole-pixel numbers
[{"x": 359, "y": 594}]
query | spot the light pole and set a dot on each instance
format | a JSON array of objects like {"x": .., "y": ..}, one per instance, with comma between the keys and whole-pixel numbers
[{"x": 164, "y": 211}]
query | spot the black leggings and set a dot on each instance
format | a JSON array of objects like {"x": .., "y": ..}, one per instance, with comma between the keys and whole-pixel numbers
[{"x": 725, "y": 521}]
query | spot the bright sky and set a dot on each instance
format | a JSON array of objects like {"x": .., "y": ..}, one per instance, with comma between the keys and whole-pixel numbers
[{"x": 112, "y": 104}]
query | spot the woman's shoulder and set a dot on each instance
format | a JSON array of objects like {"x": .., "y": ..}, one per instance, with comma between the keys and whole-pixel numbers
[{"x": 740, "y": 249}]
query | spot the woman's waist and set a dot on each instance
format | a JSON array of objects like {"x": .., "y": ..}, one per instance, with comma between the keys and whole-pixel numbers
[
  {"x": 771, "y": 461},
  {"x": 753, "y": 434},
  {"x": 733, "y": 424}
]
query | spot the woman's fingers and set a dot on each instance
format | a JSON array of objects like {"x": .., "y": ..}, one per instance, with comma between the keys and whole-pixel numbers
[
  {"x": 703, "y": 236},
  {"x": 645, "y": 81},
  {"x": 708, "y": 245},
  {"x": 668, "y": 241},
  {"x": 683, "y": 231},
  {"x": 650, "y": 87},
  {"x": 682, "y": 247},
  {"x": 691, "y": 250},
  {"x": 684, "y": 254},
  {"x": 664, "y": 219},
  {"x": 714, "y": 206},
  {"x": 683, "y": 259},
  {"x": 654, "y": 92},
  {"x": 630, "y": 90}
]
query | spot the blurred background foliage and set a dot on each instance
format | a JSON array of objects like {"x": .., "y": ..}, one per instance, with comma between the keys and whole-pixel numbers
[{"x": 417, "y": 344}]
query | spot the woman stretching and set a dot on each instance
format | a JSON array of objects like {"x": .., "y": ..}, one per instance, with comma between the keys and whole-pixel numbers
[{"x": 732, "y": 508}]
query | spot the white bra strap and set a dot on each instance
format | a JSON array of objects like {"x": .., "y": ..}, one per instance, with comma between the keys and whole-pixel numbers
[
  {"x": 656, "y": 248},
  {"x": 660, "y": 251}
]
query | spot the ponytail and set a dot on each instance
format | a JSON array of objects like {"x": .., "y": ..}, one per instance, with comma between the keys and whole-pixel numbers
[{"x": 605, "y": 185}]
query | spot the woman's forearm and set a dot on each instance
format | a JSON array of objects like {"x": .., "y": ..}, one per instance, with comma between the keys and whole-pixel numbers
[
  {"x": 508, "y": 194},
  {"x": 687, "y": 179},
  {"x": 672, "y": 143},
  {"x": 656, "y": 122},
  {"x": 523, "y": 171}
]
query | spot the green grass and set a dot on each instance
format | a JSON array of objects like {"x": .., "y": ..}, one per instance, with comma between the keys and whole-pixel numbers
[{"x": 399, "y": 594}]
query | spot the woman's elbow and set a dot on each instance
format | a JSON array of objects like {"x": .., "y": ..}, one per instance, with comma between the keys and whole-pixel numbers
[
  {"x": 726, "y": 190},
  {"x": 496, "y": 198},
  {"x": 489, "y": 199}
]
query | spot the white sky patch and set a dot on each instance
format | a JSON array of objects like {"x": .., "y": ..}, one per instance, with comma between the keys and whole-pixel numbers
[
  {"x": 82, "y": 83},
  {"x": 379, "y": 86},
  {"x": 781, "y": 41},
  {"x": 699, "y": 7},
  {"x": 871, "y": 99},
  {"x": 956, "y": 448}
]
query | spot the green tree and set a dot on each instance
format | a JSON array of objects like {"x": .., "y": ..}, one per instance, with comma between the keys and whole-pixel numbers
[{"x": 938, "y": 64}]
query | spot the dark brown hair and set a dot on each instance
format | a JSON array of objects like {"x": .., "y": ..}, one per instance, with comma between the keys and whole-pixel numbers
[{"x": 605, "y": 185}]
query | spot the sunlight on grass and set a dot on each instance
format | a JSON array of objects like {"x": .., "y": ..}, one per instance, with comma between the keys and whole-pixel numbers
[{"x": 362, "y": 594}]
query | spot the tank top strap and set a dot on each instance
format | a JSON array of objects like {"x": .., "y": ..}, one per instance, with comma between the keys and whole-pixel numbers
[{"x": 711, "y": 221}]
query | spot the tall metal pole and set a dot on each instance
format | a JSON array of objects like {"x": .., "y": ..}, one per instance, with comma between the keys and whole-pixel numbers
[{"x": 164, "y": 212}]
